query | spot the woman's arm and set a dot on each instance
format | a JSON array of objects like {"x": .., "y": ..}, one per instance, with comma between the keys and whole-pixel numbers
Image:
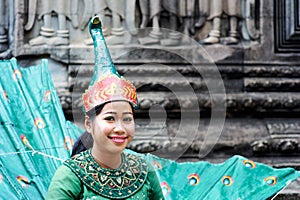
[
  {"x": 156, "y": 192},
  {"x": 64, "y": 185}
]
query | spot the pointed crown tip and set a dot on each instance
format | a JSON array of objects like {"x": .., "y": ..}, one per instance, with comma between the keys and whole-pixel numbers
[{"x": 96, "y": 20}]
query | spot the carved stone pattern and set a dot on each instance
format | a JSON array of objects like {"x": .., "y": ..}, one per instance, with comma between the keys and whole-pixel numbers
[
  {"x": 195, "y": 70},
  {"x": 232, "y": 70},
  {"x": 282, "y": 137},
  {"x": 65, "y": 101},
  {"x": 272, "y": 84},
  {"x": 283, "y": 127},
  {"x": 272, "y": 71},
  {"x": 258, "y": 102},
  {"x": 283, "y": 145},
  {"x": 287, "y": 26}
]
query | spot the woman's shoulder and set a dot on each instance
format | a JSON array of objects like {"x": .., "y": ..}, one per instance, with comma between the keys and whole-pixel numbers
[
  {"x": 77, "y": 159},
  {"x": 63, "y": 169},
  {"x": 138, "y": 157},
  {"x": 152, "y": 180},
  {"x": 64, "y": 172},
  {"x": 131, "y": 153},
  {"x": 135, "y": 163},
  {"x": 64, "y": 184}
]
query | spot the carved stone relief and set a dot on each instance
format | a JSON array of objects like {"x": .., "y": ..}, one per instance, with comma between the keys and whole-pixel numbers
[
  {"x": 232, "y": 9},
  {"x": 283, "y": 138},
  {"x": 52, "y": 24},
  {"x": 287, "y": 26},
  {"x": 6, "y": 28},
  {"x": 154, "y": 10},
  {"x": 251, "y": 13},
  {"x": 3, "y": 27},
  {"x": 53, "y": 16},
  {"x": 112, "y": 12}
]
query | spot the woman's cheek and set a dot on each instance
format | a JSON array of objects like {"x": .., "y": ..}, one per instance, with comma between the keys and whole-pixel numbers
[{"x": 132, "y": 130}]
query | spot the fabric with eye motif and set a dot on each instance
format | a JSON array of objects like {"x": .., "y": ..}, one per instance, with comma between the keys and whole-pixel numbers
[{"x": 235, "y": 178}]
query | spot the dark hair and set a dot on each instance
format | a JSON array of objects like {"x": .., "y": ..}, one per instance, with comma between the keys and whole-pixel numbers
[
  {"x": 95, "y": 111},
  {"x": 85, "y": 141}
]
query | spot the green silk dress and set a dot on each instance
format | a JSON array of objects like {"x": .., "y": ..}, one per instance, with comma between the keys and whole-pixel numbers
[{"x": 81, "y": 177}]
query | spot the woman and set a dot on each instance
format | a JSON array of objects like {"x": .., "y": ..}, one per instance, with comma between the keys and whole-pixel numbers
[{"x": 105, "y": 171}]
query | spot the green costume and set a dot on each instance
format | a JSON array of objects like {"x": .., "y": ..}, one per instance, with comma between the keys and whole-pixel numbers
[{"x": 81, "y": 177}]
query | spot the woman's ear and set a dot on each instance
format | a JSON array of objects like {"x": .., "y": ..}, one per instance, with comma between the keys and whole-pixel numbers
[{"x": 88, "y": 124}]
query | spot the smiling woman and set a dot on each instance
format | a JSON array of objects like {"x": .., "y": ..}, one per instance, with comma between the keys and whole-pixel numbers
[
  {"x": 105, "y": 171},
  {"x": 112, "y": 130}
]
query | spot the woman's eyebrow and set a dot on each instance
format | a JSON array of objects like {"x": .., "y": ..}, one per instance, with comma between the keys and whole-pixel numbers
[
  {"x": 124, "y": 113},
  {"x": 112, "y": 112}
]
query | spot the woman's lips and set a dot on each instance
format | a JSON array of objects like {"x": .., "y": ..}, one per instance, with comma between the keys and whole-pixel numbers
[{"x": 118, "y": 139}]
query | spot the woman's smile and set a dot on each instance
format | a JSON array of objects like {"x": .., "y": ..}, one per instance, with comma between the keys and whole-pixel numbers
[{"x": 118, "y": 139}]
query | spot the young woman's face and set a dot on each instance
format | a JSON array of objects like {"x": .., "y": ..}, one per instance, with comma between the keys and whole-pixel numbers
[{"x": 113, "y": 128}]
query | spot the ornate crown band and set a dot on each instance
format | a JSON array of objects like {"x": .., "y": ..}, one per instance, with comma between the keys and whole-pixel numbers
[{"x": 109, "y": 88}]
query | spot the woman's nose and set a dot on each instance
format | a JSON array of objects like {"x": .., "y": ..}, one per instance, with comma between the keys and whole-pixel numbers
[{"x": 119, "y": 127}]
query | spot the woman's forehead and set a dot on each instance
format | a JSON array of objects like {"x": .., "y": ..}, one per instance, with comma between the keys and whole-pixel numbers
[{"x": 120, "y": 106}]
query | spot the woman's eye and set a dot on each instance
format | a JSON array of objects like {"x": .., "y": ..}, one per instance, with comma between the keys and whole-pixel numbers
[
  {"x": 127, "y": 119},
  {"x": 109, "y": 118}
]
